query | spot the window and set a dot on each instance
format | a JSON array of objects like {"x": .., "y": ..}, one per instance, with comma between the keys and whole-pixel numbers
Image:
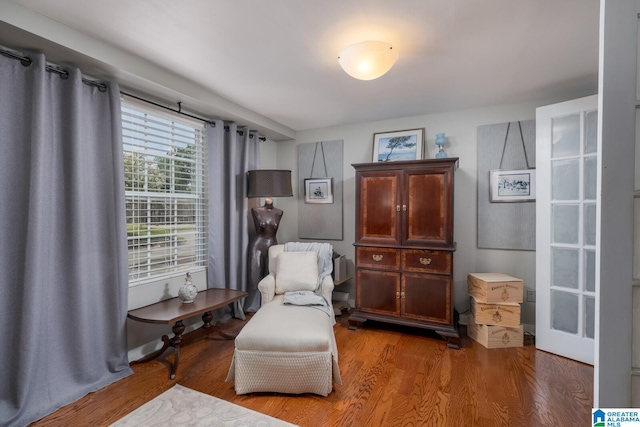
[{"x": 165, "y": 189}]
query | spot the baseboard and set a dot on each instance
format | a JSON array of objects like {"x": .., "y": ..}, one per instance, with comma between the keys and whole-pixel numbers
[{"x": 529, "y": 329}]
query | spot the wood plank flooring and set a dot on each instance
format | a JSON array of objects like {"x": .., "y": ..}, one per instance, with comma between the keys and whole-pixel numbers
[{"x": 392, "y": 376}]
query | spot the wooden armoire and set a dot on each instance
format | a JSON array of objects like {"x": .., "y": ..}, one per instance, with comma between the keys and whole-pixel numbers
[{"x": 404, "y": 245}]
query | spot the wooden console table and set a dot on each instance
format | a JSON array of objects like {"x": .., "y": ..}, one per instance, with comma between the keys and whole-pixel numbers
[{"x": 174, "y": 311}]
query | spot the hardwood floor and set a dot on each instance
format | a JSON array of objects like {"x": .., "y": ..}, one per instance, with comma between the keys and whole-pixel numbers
[{"x": 392, "y": 376}]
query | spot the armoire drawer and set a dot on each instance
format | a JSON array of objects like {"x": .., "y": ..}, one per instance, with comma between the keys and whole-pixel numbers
[
  {"x": 372, "y": 257},
  {"x": 425, "y": 261}
]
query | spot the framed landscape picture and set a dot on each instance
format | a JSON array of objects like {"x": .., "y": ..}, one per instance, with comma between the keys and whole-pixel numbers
[
  {"x": 318, "y": 190},
  {"x": 512, "y": 185},
  {"x": 398, "y": 145}
]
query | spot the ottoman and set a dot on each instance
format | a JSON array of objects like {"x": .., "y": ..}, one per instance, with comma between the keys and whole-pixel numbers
[{"x": 285, "y": 349}]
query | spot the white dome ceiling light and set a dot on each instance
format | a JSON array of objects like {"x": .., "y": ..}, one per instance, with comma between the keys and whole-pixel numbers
[{"x": 367, "y": 60}]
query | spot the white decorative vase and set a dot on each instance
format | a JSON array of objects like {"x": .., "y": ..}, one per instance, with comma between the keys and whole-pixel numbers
[{"x": 188, "y": 290}]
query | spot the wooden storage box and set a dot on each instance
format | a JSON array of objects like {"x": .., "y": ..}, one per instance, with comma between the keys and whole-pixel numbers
[
  {"x": 505, "y": 314},
  {"x": 495, "y": 287},
  {"x": 493, "y": 336}
]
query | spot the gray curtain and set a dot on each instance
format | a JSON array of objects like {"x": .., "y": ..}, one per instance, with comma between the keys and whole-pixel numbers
[
  {"x": 63, "y": 257},
  {"x": 232, "y": 151}
]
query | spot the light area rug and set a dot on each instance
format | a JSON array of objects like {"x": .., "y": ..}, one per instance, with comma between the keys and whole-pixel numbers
[{"x": 181, "y": 406}]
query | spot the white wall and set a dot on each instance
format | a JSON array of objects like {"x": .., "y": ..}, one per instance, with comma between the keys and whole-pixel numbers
[
  {"x": 269, "y": 155},
  {"x": 461, "y": 130}
]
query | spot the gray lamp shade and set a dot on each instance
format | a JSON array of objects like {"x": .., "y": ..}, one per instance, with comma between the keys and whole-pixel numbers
[{"x": 269, "y": 183}]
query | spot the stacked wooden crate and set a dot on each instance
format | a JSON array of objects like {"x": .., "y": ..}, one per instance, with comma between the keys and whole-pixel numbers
[{"x": 495, "y": 300}]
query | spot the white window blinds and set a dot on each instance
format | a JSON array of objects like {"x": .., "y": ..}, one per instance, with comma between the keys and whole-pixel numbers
[{"x": 165, "y": 187}]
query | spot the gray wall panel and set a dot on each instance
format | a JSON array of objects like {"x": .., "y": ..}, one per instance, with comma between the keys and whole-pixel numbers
[
  {"x": 320, "y": 221},
  {"x": 505, "y": 225}
]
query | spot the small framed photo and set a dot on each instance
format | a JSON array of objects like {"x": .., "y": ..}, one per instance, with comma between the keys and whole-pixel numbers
[
  {"x": 318, "y": 190},
  {"x": 398, "y": 145},
  {"x": 512, "y": 185}
]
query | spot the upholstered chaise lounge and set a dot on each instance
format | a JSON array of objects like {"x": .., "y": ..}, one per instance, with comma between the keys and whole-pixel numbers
[{"x": 288, "y": 348}]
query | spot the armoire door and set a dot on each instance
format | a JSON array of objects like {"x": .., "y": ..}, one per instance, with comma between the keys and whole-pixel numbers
[
  {"x": 378, "y": 207},
  {"x": 426, "y": 297},
  {"x": 378, "y": 291},
  {"x": 427, "y": 220},
  {"x": 566, "y": 161}
]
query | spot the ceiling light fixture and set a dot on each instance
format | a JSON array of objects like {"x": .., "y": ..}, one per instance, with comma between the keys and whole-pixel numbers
[{"x": 367, "y": 60}]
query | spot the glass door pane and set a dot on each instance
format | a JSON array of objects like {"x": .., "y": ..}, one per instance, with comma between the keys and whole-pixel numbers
[{"x": 573, "y": 223}]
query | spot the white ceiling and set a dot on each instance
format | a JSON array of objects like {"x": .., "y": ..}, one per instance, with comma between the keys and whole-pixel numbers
[{"x": 278, "y": 58}]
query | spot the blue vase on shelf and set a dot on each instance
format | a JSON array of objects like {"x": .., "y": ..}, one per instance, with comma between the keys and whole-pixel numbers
[{"x": 440, "y": 141}]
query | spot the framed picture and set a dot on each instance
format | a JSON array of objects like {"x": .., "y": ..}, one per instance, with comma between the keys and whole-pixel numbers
[
  {"x": 512, "y": 185},
  {"x": 398, "y": 145},
  {"x": 318, "y": 190}
]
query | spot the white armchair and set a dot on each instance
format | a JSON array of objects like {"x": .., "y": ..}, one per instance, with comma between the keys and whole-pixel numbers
[
  {"x": 267, "y": 285},
  {"x": 288, "y": 348}
]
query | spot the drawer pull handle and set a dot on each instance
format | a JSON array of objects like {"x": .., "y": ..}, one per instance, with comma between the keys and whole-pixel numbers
[
  {"x": 404, "y": 208},
  {"x": 401, "y": 294},
  {"x": 397, "y": 208},
  {"x": 425, "y": 261},
  {"x": 377, "y": 258},
  {"x": 398, "y": 295}
]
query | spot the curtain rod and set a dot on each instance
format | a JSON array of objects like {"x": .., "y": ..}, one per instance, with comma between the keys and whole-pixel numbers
[
  {"x": 179, "y": 111},
  {"x": 64, "y": 74}
]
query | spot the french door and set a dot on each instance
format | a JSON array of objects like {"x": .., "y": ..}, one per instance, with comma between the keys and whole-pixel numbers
[{"x": 566, "y": 162}]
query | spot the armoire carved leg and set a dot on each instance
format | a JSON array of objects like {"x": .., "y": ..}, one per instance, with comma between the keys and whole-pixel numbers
[
  {"x": 453, "y": 340},
  {"x": 355, "y": 323}
]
